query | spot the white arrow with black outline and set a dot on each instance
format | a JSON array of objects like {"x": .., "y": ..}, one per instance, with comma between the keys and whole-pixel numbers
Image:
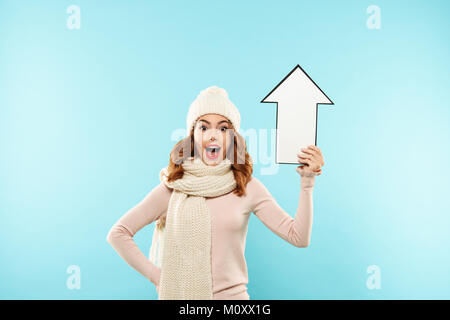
[{"x": 297, "y": 97}]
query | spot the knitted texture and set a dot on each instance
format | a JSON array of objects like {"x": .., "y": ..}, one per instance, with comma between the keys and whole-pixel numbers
[
  {"x": 212, "y": 100},
  {"x": 186, "y": 255}
]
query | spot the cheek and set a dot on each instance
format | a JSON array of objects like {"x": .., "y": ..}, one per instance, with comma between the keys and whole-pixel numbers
[
  {"x": 228, "y": 145},
  {"x": 228, "y": 140},
  {"x": 198, "y": 141}
]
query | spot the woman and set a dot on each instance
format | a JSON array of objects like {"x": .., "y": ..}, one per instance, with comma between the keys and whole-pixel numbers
[{"x": 203, "y": 204}]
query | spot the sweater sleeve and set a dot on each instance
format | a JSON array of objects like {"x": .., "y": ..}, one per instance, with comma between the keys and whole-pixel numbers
[
  {"x": 120, "y": 236},
  {"x": 296, "y": 231}
]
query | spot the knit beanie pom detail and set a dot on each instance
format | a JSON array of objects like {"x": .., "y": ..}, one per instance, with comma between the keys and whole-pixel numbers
[{"x": 215, "y": 90}]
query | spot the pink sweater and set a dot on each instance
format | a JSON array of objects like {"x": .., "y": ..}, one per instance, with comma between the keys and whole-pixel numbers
[{"x": 229, "y": 221}]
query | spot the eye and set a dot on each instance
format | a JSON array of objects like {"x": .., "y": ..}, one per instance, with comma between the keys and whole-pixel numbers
[
  {"x": 224, "y": 128},
  {"x": 201, "y": 128}
]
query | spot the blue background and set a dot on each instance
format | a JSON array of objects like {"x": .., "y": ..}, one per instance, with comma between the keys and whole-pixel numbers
[{"x": 87, "y": 116}]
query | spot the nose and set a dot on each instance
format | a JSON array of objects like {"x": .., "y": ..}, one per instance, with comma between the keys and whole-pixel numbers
[{"x": 212, "y": 135}]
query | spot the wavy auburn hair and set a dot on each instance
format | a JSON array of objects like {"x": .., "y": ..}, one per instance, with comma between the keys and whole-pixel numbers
[{"x": 241, "y": 163}]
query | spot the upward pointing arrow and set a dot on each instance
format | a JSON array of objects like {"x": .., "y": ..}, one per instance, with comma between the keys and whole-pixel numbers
[{"x": 297, "y": 97}]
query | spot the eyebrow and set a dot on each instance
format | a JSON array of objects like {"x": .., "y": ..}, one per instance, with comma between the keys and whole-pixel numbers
[{"x": 218, "y": 123}]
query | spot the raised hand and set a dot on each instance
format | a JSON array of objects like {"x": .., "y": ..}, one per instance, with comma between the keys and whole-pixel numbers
[{"x": 312, "y": 158}]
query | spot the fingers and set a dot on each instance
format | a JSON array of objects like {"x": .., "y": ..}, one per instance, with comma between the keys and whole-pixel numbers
[
  {"x": 303, "y": 157},
  {"x": 312, "y": 152},
  {"x": 304, "y": 160},
  {"x": 311, "y": 156},
  {"x": 319, "y": 155},
  {"x": 312, "y": 164},
  {"x": 308, "y": 153},
  {"x": 317, "y": 149}
]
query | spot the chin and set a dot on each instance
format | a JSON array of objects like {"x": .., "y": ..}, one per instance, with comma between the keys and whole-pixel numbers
[{"x": 210, "y": 162}]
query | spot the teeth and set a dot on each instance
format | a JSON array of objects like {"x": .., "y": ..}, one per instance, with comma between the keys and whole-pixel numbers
[{"x": 212, "y": 148}]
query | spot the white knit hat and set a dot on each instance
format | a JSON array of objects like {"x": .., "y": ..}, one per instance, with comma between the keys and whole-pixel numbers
[{"x": 212, "y": 100}]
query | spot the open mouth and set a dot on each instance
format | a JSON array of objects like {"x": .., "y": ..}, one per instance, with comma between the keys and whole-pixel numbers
[{"x": 212, "y": 152}]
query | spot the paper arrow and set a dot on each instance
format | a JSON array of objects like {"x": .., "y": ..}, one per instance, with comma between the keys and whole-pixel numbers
[{"x": 297, "y": 97}]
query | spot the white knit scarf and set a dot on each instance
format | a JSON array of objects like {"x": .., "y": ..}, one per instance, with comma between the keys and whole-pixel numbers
[{"x": 184, "y": 251}]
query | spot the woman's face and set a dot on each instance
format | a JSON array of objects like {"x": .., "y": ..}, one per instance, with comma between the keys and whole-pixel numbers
[{"x": 212, "y": 138}]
